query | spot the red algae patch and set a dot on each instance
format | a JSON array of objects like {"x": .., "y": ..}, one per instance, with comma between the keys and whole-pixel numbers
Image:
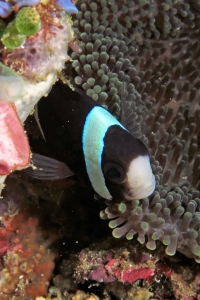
[
  {"x": 128, "y": 274},
  {"x": 14, "y": 146}
]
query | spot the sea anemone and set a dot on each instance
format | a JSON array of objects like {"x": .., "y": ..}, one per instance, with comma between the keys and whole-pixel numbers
[{"x": 146, "y": 46}]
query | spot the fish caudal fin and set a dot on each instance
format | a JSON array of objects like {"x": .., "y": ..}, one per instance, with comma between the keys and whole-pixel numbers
[{"x": 46, "y": 168}]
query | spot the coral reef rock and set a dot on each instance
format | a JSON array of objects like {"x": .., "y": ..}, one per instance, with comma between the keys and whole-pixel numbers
[{"x": 26, "y": 264}]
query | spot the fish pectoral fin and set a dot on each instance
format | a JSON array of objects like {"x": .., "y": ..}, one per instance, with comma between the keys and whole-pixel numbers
[{"x": 47, "y": 168}]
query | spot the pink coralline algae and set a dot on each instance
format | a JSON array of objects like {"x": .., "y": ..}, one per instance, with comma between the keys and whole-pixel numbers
[
  {"x": 26, "y": 264},
  {"x": 14, "y": 147},
  {"x": 107, "y": 266},
  {"x": 99, "y": 274}
]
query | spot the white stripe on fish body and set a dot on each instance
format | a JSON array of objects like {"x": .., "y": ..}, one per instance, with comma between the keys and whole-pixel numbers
[
  {"x": 96, "y": 125},
  {"x": 140, "y": 178}
]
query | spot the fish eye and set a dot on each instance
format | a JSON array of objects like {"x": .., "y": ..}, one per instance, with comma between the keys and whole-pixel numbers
[{"x": 114, "y": 172}]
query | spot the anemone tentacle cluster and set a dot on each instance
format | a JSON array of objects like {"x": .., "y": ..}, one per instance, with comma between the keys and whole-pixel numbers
[
  {"x": 145, "y": 44},
  {"x": 169, "y": 216}
]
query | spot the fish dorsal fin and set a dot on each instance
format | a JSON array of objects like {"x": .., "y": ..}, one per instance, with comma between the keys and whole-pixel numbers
[
  {"x": 123, "y": 92},
  {"x": 38, "y": 121},
  {"x": 47, "y": 168},
  {"x": 128, "y": 116},
  {"x": 126, "y": 110}
]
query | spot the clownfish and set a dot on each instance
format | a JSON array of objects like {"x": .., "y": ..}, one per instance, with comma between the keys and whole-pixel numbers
[{"x": 87, "y": 139}]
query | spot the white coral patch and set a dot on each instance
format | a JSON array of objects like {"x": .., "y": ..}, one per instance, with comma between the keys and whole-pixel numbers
[{"x": 33, "y": 93}]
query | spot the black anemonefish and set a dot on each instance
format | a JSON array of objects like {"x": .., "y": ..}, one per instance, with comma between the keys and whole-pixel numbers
[{"x": 88, "y": 139}]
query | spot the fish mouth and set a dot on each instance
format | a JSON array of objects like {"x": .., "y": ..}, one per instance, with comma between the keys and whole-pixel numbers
[{"x": 142, "y": 191}]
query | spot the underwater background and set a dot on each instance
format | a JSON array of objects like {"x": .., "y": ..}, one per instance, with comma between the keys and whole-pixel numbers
[{"x": 140, "y": 60}]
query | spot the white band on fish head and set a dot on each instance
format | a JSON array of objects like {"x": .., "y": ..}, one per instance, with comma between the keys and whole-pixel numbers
[{"x": 96, "y": 125}]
